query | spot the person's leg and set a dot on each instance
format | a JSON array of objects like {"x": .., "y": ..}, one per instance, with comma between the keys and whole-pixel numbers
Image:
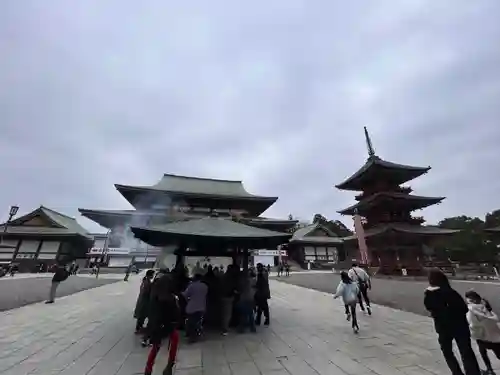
[
  {"x": 265, "y": 310},
  {"x": 446, "y": 344},
  {"x": 360, "y": 300},
  {"x": 469, "y": 359},
  {"x": 153, "y": 352},
  {"x": 354, "y": 317},
  {"x": 364, "y": 293},
  {"x": 495, "y": 347},
  {"x": 258, "y": 314},
  {"x": 52, "y": 293},
  {"x": 347, "y": 312},
  {"x": 483, "y": 351},
  {"x": 227, "y": 310},
  {"x": 173, "y": 346},
  {"x": 250, "y": 316}
]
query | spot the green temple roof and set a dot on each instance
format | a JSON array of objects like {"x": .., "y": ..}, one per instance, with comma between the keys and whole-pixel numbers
[
  {"x": 199, "y": 191},
  {"x": 54, "y": 224},
  {"x": 384, "y": 199},
  {"x": 210, "y": 230}
]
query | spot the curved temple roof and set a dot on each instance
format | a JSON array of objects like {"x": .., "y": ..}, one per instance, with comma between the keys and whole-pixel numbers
[
  {"x": 375, "y": 166},
  {"x": 415, "y": 201},
  {"x": 224, "y": 232}
]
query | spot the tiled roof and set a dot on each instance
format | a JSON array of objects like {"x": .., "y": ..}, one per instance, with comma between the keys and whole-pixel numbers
[
  {"x": 62, "y": 224},
  {"x": 198, "y": 186},
  {"x": 302, "y": 235},
  {"x": 355, "y": 182},
  {"x": 210, "y": 228},
  {"x": 416, "y": 200}
]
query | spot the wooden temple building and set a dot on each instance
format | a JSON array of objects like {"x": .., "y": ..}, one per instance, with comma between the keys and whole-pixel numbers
[
  {"x": 202, "y": 216},
  {"x": 395, "y": 239}
]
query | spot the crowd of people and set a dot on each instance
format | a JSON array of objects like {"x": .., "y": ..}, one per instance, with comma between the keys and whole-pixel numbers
[{"x": 170, "y": 300}]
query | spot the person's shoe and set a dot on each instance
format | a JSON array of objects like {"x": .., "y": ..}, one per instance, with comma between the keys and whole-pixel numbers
[
  {"x": 145, "y": 343},
  {"x": 169, "y": 369},
  {"x": 47, "y": 302},
  {"x": 257, "y": 322},
  {"x": 266, "y": 322},
  {"x": 348, "y": 317},
  {"x": 224, "y": 333},
  {"x": 368, "y": 308},
  {"x": 355, "y": 329}
]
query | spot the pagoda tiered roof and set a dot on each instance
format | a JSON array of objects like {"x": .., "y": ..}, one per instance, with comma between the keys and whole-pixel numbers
[
  {"x": 377, "y": 169},
  {"x": 390, "y": 200},
  {"x": 404, "y": 229},
  {"x": 197, "y": 192}
]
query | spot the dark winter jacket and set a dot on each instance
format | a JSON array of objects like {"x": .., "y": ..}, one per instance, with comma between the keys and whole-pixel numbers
[
  {"x": 448, "y": 309},
  {"x": 60, "y": 275},
  {"x": 143, "y": 300},
  {"x": 164, "y": 316},
  {"x": 262, "y": 287}
]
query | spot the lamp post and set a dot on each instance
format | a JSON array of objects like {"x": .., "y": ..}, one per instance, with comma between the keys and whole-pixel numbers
[{"x": 12, "y": 213}]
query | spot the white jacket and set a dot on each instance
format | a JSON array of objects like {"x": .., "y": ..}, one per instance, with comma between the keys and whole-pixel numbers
[
  {"x": 358, "y": 274},
  {"x": 348, "y": 292},
  {"x": 483, "y": 323}
]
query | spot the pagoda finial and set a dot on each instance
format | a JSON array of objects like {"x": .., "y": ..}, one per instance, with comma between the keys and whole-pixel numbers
[{"x": 369, "y": 145}]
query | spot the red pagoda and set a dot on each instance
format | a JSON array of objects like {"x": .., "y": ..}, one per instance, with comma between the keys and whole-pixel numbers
[{"x": 395, "y": 239}]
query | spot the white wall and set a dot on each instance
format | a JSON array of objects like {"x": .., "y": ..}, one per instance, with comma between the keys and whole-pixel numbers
[{"x": 264, "y": 259}]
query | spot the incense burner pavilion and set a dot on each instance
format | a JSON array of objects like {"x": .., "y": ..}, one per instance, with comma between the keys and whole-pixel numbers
[{"x": 207, "y": 217}]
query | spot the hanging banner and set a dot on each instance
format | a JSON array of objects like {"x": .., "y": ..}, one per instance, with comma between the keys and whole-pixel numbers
[{"x": 360, "y": 234}]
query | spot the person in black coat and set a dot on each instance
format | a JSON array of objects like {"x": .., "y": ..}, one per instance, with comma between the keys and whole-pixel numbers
[
  {"x": 262, "y": 295},
  {"x": 143, "y": 301},
  {"x": 449, "y": 311}
]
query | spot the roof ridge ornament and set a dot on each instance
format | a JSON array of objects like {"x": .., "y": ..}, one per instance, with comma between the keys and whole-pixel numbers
[{"x": 369, "y": 145}]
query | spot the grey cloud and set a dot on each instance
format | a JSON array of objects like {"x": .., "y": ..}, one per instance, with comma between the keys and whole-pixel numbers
[{"x": 276, "y": 94}]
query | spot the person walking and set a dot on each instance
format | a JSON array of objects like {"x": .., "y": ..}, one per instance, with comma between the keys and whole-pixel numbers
[
  {"x": 229, "y": 287},
  {"x": 143, "y": 301},
  {"x": 60, "y": 274},
  {"x": 262, "y": 295},
  {"x": 483, "y": 324},
  {"x": 287, "y": 269},
  {"x": 163, "y": 321},
  {"x": 449, "y": 311},
  {"x": 361, "y": 277},
  {"x": 196, "y": 296},
  {"x": 348, "y": 290},
  {"x": 246, "y": 302}
]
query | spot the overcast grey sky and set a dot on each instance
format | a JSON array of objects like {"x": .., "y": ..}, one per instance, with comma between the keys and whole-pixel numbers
[{"x": 275, "y": 93}]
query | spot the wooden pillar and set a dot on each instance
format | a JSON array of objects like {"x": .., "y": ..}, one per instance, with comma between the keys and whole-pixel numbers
[{"x": 245, "y": 259}]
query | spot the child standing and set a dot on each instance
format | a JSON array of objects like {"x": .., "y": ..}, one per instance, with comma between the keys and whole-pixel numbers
[
  {"x": 483, "y": 323},
  {"x": 348, "y": 290}
]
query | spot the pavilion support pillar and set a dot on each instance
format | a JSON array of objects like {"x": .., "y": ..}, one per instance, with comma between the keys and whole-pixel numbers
[
  {"x": 180, "y": 256},
  {"x": 245, "y": 259}
]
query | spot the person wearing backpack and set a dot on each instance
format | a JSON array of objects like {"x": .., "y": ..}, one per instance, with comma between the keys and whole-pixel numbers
[
  {"x": 483, "y": 324},
  {"x": 361, "y": 277},
  {"x": 60, "y": 275},
  {"x": 348, "y": 290}
]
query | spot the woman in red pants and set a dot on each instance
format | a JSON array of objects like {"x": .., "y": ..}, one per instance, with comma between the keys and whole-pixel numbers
[{"x": 164, "y": 317}]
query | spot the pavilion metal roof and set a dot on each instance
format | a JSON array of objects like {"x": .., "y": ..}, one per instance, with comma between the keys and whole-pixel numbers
[
  {"x": 398, "y": 173},
  {"x": 210, "y": 230},
  {"x": 415, "y": 201}
]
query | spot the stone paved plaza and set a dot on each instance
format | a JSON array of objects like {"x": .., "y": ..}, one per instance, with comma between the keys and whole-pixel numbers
[{"x": 91, "y": 333}]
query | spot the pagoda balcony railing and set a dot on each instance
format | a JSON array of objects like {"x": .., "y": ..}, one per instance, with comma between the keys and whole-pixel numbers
[{"x": 393, "y": 189}]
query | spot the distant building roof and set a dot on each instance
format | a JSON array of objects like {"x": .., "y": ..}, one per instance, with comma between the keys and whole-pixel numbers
[
  {"x": 383, "y": 170},
  {"x": 382, "y": 198},
  {"x": 51, "y": 223},
  {"x": 210, "y": 230},
  {"x": 200, "y": 189},
  {"x": 309, "y": 234},
  {"x": 403, "y": 228}
]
